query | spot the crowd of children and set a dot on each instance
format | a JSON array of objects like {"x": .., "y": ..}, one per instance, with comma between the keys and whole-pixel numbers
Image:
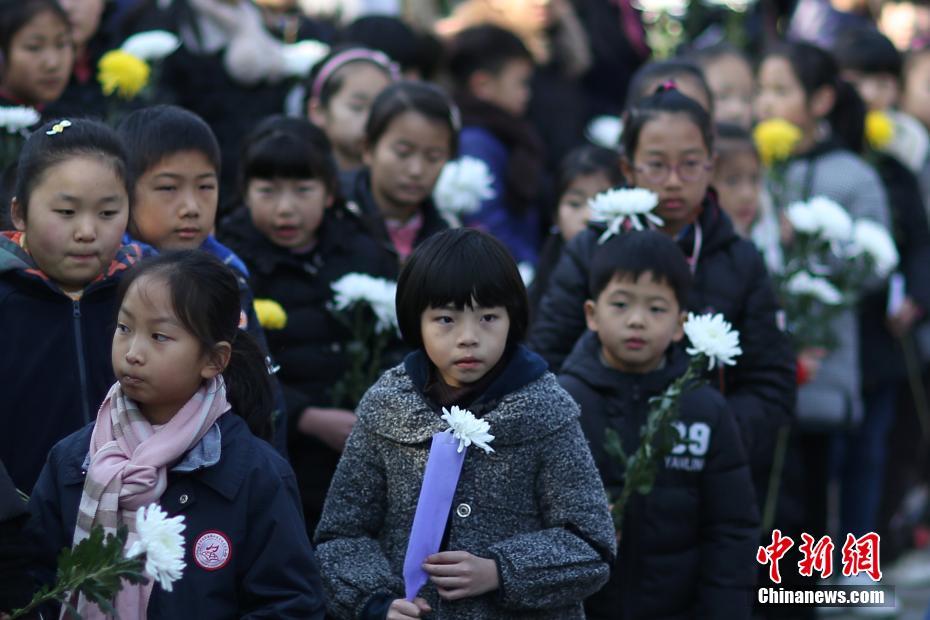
[{"x": 142, "y": 236}]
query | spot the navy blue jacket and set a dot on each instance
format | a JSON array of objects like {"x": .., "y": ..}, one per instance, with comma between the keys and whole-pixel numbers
[
  {"x": 688, "y": 548},
  {"x": 250, "y": 496},
  {"x": 54, "y": 357}
]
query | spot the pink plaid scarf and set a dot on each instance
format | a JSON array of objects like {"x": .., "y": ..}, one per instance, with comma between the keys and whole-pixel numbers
[{"x": 129, "y": 463}]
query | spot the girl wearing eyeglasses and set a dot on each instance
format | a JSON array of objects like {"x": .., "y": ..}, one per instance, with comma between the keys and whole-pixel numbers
[{"x": 668, "y": 146}]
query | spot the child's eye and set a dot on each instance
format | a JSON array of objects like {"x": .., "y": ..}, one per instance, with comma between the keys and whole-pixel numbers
[
  {"x": 166, "y": 188},
  {"x": 121, "y": 329},
  {"x": 207, "y": 187},
  {"x": 160, "y": 338},
  {"x": 65, "y": 212},
  {"x": 658, "y": 310},
  {"x": 489, "y": 317},
  {"x": 443, "y": 320},
  {"x": 109, "y": 213},
  {"x": 619, "y": 304}
]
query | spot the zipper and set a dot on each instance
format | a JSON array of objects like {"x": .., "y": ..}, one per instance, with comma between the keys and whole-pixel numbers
[{"x": 82, "y": 366}]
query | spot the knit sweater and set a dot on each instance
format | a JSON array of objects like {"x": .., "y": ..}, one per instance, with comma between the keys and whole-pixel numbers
[{"x": 535, "y": 505}]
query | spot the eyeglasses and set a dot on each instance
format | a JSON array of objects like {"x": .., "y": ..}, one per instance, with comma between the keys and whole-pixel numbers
[{"x": 688, "y": 171}]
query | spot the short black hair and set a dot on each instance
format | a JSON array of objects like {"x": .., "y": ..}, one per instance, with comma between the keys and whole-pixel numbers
[
  {"x": 667, "y": 99},
  {"x": 708, "y": 55},
  {"x": 58, "y": 141},
  {"x": 643, "y": 82},
  {"x": 588, "y": 159},
  {"x": 412, "y": 50},
  {"x": 461, "y": 266},
  {"x": 154, "y": 133},
  {"x": 733, "y": 139},
  {"x": 289, "y": 148},
  {"x": 484, "y": 48},
  {"x": 412, "y": 96},
  {"x": 14, "y": 14},
  {"x": 868, "y": 51},
  {"x": 631, "y": 254}
]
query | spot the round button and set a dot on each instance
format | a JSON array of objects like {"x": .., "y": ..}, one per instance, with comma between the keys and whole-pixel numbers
[
  {"x": 183, "y": 499},
  {"x": 463, "y": 510}
]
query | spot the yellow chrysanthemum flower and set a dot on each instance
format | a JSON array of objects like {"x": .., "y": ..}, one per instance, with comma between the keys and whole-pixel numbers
[
  {"x": 270, "y": 314},
  {"x": 122, "y": 73},
  {"x": 879, "y": 129},
  {"x": 776, "y": 139}
]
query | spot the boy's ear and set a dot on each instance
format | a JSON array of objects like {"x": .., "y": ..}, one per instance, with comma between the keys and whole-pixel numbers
[
  {"x": 480, "y": 84},
  {"x": 217, "y": 361},
  {"x": 822, "y": 101},
  {"x": 680, "y": 327},
  {"x": 16, "y": 214},
  {"x": 590, "y": 314}
]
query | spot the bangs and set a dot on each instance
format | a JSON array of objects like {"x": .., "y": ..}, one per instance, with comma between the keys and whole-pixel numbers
[
  {"x": 284, "y": 157},
  {"x": 459, "y": 279}
]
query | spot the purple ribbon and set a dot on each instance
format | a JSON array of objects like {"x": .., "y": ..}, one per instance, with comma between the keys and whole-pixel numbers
[{"x": 443, "y": 468}]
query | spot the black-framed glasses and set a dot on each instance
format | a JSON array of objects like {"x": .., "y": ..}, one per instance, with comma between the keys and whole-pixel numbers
[{"x": 688, "y": 170}]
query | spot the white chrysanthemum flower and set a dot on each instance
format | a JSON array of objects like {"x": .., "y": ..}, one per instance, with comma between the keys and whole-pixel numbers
[
  {"x": 462, "y": 185},
  {"x": 161, "y": 541},
  {"x": 605, "y": 131},
  {"x": 832, "y": 219},
  {"x": 468, "y": 429},
  {"x": 873, "y": 239},
  {"x": 378, "y": 293},
  {"x": 527, "y": 273},
  {"x": 713, "y": 337},
  {"x": 152, "y": 45},
  {"x": 803, "y": 283},
  {"x": 301, "y": 57},
  {"x": 802, "y": 218},
  {"x": 616, "y": 206},
  {"x": 15, "y": 119}
]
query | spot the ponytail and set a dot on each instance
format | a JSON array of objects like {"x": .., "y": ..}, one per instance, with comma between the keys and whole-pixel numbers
[
  {"x": 248, "y": 387},
  {"x": 847, "y": 118}
]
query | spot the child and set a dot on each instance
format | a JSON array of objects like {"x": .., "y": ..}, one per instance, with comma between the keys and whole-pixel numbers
[
  {"x": 297, "y": 239},
  {"x": 410, "y": 134},
  {"x": 530, "y": 550},
  {"x": 873, "y": 65},
  {"x": 491, "y": 69},
  {"x": 639, "y": 283},
  {"x": 58, "y": 275},
  {"x": 668, "y": 141},
  {"x": 730, "y": 78},
  {"x": 35, "y": 39},
  {"x": 585, "y": 172},
  {"x": 799, "y": 83},
  {"x": 341, "y": 91},
  {"x": 686, "y": 76},
  {"x": 190, "y": 386},
  {"x": 174, "y": 163}
]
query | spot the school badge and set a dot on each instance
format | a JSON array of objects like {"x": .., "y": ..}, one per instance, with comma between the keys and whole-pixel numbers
[{"x": 212, "y": 550}]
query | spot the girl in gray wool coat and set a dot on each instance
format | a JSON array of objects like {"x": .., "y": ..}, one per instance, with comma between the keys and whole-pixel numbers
[{"x": 527, "y": 533}]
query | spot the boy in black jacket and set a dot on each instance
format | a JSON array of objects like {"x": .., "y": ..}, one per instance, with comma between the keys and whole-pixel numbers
[{"x": 688, "y": 548}]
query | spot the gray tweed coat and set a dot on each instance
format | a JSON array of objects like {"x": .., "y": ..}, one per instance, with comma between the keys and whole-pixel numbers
[{"x": 536, "y": 505}]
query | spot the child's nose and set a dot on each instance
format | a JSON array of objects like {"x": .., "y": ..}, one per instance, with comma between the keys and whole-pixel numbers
[
  {"x": 189, "y": 205},
  {"x": 85, "y": 230}
]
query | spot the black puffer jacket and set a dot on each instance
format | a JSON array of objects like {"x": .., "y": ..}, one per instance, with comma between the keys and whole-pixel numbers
[
  {"x": 309, "y": 349},
  {"x": 688, "y": 548},
  {"x": 731, "y": 279},
  {"x": 880, "y": 352},
  {"x": 356, "y": 188}
]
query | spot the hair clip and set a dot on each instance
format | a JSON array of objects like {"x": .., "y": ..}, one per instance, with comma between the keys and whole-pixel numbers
[
  {"x": 58, "y": 127},
  {"x": 669, "y": 85}
]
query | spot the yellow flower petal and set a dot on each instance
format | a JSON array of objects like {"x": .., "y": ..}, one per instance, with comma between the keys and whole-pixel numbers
[
  {"x": 122, "y": 73},
  {"x": 270, "y": 314},
  {"x": 776, "y": 140},
  {"x": 879, "y": 129}
]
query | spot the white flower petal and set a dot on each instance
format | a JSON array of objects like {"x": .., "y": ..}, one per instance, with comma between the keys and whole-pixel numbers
[
  {"x": 615, "y": 206},
  {"x": 301, "y": 57},
  {"x": 462, "y": 186},
  {"x": 18, "y": 118},
  {"x": 468, "y": 429},
  {"x": 873, "y": 239},
  {"x": 803, "y": 283},
  {"x": 151, "y": 45},
  {"x": 160, "y": 539},
  {"x": 605, "y": 131},
  {"x": 833, "y": 221},
  {"x": 714, "y": 337}
]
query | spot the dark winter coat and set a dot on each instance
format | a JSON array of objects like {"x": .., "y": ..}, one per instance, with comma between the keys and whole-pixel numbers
[
  {"x": 731, "y": 279},
  {"x": 310, "y": 348},
  {"x": 881, "y": 356},
  {"x": 55, "y": 359},
  {"x": 16, "y": 554},
  {"x": 687, "y": 549},
  {"x": 249, "y": 496},
  {"x": 356, "y": 189},
  {"x": 535, "y": 505}
]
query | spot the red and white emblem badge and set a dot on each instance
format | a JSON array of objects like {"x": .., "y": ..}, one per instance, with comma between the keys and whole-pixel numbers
[{"x": 212, "y": 550}]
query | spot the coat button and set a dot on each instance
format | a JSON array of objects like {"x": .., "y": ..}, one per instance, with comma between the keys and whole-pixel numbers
[
  {"x": 463, "y": 510},
  {"x": 183, "y": 499}
]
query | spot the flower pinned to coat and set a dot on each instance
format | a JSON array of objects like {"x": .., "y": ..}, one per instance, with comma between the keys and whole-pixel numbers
[
  {"x": 270, "y": 314},
  {"x": 605, "y": 131},
  {"x": 776, "y": 140},
  {"x": 616, "y": 207},
  {"x": 879, "y": 129},
  {"x": 123, "y": 74},
  {"x": 17, "y": 118},
  {"x": 152, "y": 45},
  {"x": 377, "y": 293},
  {"x": 804, "y": 284},
  {"x": 462, "y": 185},
  {"x": 161, "y": 541},
  {"x": 714, "y": 338},
  {"x": 872, "y": 240},
  {"x": 468, "y": 429}
]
